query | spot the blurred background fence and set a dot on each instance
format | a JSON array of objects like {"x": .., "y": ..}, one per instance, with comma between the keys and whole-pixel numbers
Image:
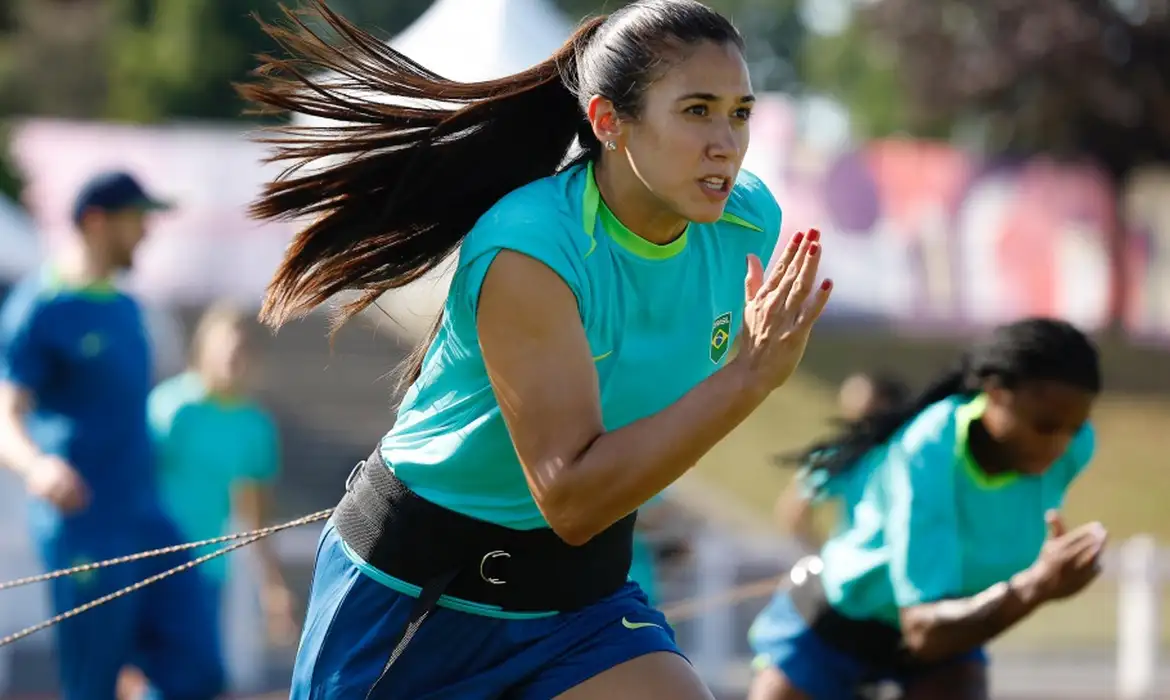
[{"x": 969, "y": 163}]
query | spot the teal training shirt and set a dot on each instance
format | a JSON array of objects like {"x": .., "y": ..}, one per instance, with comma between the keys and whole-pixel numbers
[
  {"x": 659, "y": 320},
  {"x": 206, "y": 446},
  {"x": 922, "y": 522}
]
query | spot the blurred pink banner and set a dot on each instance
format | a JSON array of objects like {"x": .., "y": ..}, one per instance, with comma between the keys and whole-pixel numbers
[
  {"x": 207, "y": 247},
  {"x": 928, "y": 235},
  {"x": 919, "y": 233}
]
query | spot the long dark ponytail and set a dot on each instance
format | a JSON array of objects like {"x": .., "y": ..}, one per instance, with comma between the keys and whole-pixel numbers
[
  {"x": 1027, "y": 350},
  {"x": 403, "y": 189},
  {"x": 411, "y": 179}
]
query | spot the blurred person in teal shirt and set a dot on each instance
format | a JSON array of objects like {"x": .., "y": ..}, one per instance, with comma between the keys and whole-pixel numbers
[{"x": 219, "y": 452}]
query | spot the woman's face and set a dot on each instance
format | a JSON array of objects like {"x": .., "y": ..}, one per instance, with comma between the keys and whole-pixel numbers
[
  {"x": 689, "y": 142},
  {"x": 1036, "y": 421},
  {"x": 224, "y": 357}
]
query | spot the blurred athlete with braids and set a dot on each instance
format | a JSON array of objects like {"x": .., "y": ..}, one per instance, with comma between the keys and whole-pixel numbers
[
  {"x": 75, "y": 371},
  {"x": 949, "y": 532},
  {"x": 861, "y": 396}
]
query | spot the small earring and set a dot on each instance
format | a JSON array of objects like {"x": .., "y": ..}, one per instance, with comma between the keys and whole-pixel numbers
[{"x": 610, "y": 146}]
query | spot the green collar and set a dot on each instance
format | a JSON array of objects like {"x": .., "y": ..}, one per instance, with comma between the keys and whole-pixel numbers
[
  {"x": 221, "y": 400},
  {"x": 964, "y": 416},
  {"x": 101, "y": 290},
  {"x": 594, "y": 208}
]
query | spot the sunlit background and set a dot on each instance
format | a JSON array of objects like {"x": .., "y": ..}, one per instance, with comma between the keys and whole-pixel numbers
[{"x": 969, "y": 162}]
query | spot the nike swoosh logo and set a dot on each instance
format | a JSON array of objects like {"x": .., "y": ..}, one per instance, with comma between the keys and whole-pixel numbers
[{"x": 638, "y": 625}]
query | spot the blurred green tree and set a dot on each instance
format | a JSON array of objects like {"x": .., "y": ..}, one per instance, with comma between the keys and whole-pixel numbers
[
  {"x": 11, "y": 183},
  {"x": 1067, "y": 77},
  {"x": 179, "y": 59},
  {"x": 144, "y": 60}
]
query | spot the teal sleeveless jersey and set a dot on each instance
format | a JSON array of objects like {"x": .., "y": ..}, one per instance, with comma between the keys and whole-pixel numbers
[
  {"x": 921, "y": 522},
  {"x": 659, "y": 320}
]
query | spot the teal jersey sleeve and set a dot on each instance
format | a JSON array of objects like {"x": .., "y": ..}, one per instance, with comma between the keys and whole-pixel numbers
[
  {"x": 161, "y": 406},
  {"x": 753, "y": 205},
  {"x": 1075, "y": 460},
  {"x": 24, "y": 351},
  {"x": 265, "y": 462},
  {"x": 165, "y": 403},
  {"x": 922, "y": 529},
  {"x": 1081, "y": 452},
  {"x": 528, "y": 221}
]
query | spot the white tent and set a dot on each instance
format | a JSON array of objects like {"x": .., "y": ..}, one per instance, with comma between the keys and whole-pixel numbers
[
  {"x": 466, "y": 40},
  {"x": 471, "y": 40},
  {"x": 19, "y": 246}
]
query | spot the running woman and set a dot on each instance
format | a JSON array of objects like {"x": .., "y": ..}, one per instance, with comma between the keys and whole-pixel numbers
[
  {"x": 862, "y": 395},
  {"x": 949, "y": 531},
  {"x": 75, "y": 370},
  {"x": 582, "y": 362}
]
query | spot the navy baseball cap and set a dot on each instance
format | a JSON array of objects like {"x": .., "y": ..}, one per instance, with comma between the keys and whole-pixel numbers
[{"x": 115, "y": 191}]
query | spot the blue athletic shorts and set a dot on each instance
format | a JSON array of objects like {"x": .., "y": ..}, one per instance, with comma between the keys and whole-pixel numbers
[
  {"x": 780, "y": 638},
  {"x": 168, "y": 629},
  {"x": 353, "y": 621}
]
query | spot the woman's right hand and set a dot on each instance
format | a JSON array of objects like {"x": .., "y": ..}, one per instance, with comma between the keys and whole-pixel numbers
[
  {"x": 780, "y": 311},
  {"x": 1069, "y": 561}
]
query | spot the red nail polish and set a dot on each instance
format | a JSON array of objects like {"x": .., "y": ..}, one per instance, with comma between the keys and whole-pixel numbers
[
  {"x": 826, "y": 285},
  {"x": 814, "y": 249},
  {"x": 814, "y": 235},
  {"x": 797, "y": 239}
]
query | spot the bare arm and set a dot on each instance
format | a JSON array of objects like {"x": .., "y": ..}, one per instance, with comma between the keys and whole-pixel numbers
[
  {"x": 937, "y": 631},
  {"x": 252, "y": 503},
  {"x": 46, "y": 477},
  {"x": 583, "y": 478},
  {"x": 18, "y": 452},
  {"x": 794, "y": 513},
  {"x": 1066, "y": 565}
]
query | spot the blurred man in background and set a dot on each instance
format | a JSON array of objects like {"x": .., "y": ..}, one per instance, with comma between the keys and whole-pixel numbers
[
  {"x": 219, "y": 452},
  {"x": 75, "y": 372}
]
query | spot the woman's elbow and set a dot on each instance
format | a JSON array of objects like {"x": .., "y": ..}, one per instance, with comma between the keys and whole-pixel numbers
[
  {"x": 573, "y": 529},
  {"x": 566, "y": 515},
  {"x": 572, "y": 535}
]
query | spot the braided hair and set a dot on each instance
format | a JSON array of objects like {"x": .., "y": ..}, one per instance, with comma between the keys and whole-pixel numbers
[{"x": 1032, "y": 349}]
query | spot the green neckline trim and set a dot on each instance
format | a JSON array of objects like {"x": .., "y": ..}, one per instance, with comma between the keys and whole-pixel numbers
[
  {"x": 739, "y": 221},
  {"x": 594, "y": 208},
  {"x": 964, "y": 416},
  {"x": 226, "y": 401},
  {"x": 99, "y": 290}
]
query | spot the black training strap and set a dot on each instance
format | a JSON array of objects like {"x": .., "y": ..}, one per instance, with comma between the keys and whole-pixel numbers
[
  {"x": 446, "y": 553},
  {"x": 870, "y": 641}
]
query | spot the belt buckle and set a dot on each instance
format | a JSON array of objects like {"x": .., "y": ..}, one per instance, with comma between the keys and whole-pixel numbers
[
  {"x": 484, "y": 566},
  {"x": 353, "y": 475}
]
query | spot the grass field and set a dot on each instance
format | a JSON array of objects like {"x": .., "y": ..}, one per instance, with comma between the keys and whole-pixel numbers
[{"x": 1127, "y": 488}]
